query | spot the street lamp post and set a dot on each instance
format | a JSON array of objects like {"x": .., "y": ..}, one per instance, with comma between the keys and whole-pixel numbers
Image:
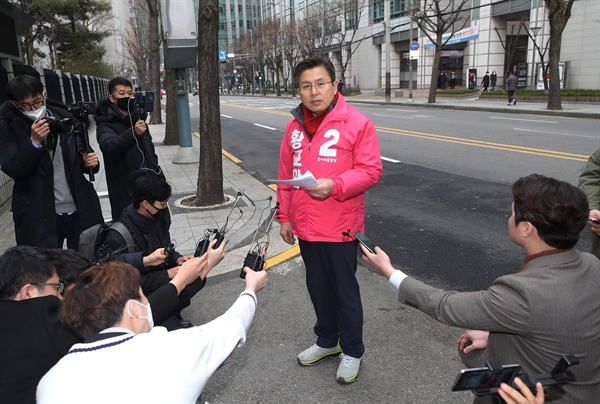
[
  {"x": 388, "y": 78},
  {"x": 252, "y": 47},
  {"x": 410, "y": 63},
  {"x": 535, "y": 31}
]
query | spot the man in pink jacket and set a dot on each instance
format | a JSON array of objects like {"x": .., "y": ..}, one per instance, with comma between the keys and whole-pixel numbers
[{"x": 338, "y": 145}]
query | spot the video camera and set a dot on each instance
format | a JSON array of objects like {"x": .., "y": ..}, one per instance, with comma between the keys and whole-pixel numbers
[
  {"x": 57, "y": 125},
  {"x": 81, "y": 110},
  {"x": 486, "y": 380}
]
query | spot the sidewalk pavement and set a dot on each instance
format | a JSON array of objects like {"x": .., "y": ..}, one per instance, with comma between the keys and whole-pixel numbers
[{"x": 570, "y": 109}]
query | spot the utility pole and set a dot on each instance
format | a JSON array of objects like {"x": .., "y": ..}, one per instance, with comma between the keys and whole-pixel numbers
[
  {"x": 410, "y": 64},
  {"x": 252, "y": 47},
  {"x": 388, "y": 78}
]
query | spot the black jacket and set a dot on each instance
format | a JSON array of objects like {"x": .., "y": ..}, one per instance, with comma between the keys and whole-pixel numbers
[
  {"x": 124, "y": 153},
  {"x": 153, "y": 278},
  {"x": 31, "y": 168},
  {"x": 32, "y": 340}
]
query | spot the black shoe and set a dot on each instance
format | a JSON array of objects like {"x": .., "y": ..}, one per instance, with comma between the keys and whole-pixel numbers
[
  {"x": 186, "y": 324},
  {"x": 514, "y": 102}
]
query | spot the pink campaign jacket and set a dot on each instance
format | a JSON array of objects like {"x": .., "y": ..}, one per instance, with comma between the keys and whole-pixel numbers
[{"x": 344, "y": 149}]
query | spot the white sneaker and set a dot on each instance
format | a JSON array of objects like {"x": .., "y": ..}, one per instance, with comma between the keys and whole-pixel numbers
[
  {"x": 316, "y": 354},
  {"x": 348, "y": 369}
]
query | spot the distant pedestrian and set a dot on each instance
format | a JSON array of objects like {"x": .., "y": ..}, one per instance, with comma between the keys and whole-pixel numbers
[
  {"x": 493, "y": 79},
  {"x": 341, "y": 87},
  {"x": 485, "y": 82},
  {"x": 442, "y": 79},
  {"x": 511, "y": 86},
  {"x": 452, "y": 80}
]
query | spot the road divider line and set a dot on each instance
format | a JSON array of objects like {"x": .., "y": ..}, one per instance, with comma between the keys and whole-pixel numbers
[
  {"x": 230, "y": 156},
  {"x": 556, "y": 133},
  {"x": 196, "y": 134},
  {"x": 519, "y": 119},
  {"x": 273, "y": 187},
  {"x": 284, "y": 256},
  {"x": 486, "y": 144},
  {"x": 390, "y": 160},
  {"x": 226, "y": 116},
  {"x": 257, "y": 109},
  {"x": 263, "y": 126}
]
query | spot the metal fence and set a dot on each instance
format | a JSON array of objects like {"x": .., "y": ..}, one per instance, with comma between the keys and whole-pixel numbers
[{"x": 67, "y": 88}]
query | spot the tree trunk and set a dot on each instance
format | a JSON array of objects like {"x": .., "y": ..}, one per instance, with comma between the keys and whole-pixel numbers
[
  {"x": 277, "y": 85},
  {"x": 210, "y": 173},
  {"x": 559, "y": 12},
  {"x": 172, "y": 126},
  {"x": 434, "y": 71},
  {"x": 154, "y": 59}
]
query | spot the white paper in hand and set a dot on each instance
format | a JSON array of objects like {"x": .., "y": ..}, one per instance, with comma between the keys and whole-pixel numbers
[{"x": 305, "y": 180}]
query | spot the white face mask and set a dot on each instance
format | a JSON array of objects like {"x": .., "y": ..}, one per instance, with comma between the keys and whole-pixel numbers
[
  {"x": 149, "y": 316},
  {"x": 38, "y": 113}
]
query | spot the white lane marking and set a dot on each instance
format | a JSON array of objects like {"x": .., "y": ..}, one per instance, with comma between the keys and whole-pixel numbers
[
  {"x": 390, "y": 160},
  {"x": 402, "y": 108},
  {"x": 393, "y": 116},
  {"x": 422, "y": 116},
  {"x": 263, "y": 126},
  {"x": 556, "y": 133},
  {"x": 226, "y": 116},
  {"x": 517, "y": 119}
]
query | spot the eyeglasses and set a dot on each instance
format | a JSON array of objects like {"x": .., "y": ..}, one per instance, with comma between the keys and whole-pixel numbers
[
  {"x": 319, "y": 86},
  {"x": 58, "y": 285},
  {"x": 29, "y": 107}
]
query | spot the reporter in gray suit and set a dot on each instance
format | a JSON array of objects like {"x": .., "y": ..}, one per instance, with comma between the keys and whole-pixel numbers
[{"x": 549, "y": 308}]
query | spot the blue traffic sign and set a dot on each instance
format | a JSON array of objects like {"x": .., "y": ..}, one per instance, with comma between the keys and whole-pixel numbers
[
  {"x": 222, "y": 55},
  {"x": 414, "y": 45}
]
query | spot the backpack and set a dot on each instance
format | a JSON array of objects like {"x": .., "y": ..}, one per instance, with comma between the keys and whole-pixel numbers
[{"x": 92, "y": 239}]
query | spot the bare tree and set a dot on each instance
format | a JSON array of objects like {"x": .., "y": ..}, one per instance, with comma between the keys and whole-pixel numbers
[
  {"x": 541, "y": 51},
  {"x": 134, "y": 49},
  {"x": 352, "y": 13},
  {"x": 154, "y": 57},
  {"x": 210, "y": 173},
  {"x": 436, "y": 18},
  {"x": 172, "y": 126},
  {"x": 559, "y": 12},
  {"x": 510, "y": 45}
]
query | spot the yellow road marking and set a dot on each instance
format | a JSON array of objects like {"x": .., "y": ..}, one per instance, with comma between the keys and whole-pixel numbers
[
  {"x": 284, "y": 256},
  {"x": 273, "y": 187},
  {"x": 196, "y": 134},
  {"x": 486, "y": 144},
  {"x": 230, "y": 156},
  {"x": 270, "y": 111}
]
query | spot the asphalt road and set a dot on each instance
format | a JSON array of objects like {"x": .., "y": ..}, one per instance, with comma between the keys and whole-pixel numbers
[{"x": 441, "y": 208}]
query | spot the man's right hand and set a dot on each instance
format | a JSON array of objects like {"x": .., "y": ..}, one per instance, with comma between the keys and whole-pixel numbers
[
  {"x": 595, "y": 214},
  {"x": 189, "y": 271},
  {"x": 286, "y": 233},
  {"x": 472, "y": 339},
  {"x": 39, "y": 131},
  {"x": 255, "y": 281},
  {"x": 140, "y": 127},
  {"x": 156, "y": 258}
]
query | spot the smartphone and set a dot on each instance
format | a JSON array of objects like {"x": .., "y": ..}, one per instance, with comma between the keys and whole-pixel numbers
[
  {"x": 481, "y": 379},
  {"x": 144, "y": 102},
  {"x": 591, "y": 219},
  {"x": 365, "y": 241}
]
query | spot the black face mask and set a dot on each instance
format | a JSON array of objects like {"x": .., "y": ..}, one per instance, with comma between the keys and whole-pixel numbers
[
  {"x": 160, "y": 214},
  {"x": 125, "y": 104}
]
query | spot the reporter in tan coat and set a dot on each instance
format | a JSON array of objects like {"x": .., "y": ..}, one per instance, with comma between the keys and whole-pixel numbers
[{"x": 549, "y": 308}]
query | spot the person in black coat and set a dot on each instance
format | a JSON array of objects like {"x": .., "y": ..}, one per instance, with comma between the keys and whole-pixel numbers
[
  {"x": 52, "y": 200},
  {"x": 32, "y": 339},
  {"x": 142, "y": 218},
  {"x": 125, "y": 143}
]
